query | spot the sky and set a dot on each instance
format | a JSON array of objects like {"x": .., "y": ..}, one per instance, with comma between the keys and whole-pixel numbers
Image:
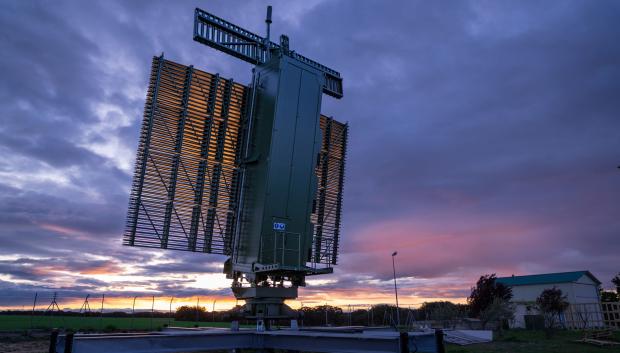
[{"x": 484, "y": 138}]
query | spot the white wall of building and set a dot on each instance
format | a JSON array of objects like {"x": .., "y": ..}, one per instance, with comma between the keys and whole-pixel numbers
[
  {"x": 529, "y": 293},
  {"x": 582, "y": 295},
  {"x": 585, "y": 291}
]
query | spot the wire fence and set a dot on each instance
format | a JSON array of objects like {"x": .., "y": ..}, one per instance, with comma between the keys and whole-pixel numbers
[
  {"x": 103, "y": 311},
  {"x": 98, "y": 312}
]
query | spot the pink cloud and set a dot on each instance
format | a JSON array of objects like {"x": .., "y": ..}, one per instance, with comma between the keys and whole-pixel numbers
[
  {"x": 66, "y": 231},
  {"x": 434, "y": 248}
]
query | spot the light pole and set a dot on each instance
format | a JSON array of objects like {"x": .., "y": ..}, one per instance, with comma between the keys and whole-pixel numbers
[{"x": 396, "y": 289}]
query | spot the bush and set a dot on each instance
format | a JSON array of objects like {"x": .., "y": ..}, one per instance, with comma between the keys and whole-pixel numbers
[
  {"x": 608, "y": 296},
  {"x": 500, "y": 310},
  {"x": 551, "y": 303},
  {"x": 190, "y": 313}
]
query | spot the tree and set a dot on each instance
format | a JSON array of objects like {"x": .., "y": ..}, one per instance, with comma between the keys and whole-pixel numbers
[
  {"x": 485, "y": 292},
  {"x": 439, "y": 310},
  {"x": 551, "y": 303},
  {"x": 616, "y": 282},
  {"x": 190, "y": 313},
  {"x": 609, "y": 296},
  {"x": 500, "y": 310},
  {"x": 322, "y": 315}
]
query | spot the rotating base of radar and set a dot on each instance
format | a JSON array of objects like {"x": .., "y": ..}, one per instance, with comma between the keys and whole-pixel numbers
[{"x": 265, "y": 304}]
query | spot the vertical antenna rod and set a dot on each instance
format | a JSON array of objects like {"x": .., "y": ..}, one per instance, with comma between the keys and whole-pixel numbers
[{"x": 267, "y": 38}]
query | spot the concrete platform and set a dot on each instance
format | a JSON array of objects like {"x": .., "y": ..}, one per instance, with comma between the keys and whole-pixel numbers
[{"x": 201, "y": 340}]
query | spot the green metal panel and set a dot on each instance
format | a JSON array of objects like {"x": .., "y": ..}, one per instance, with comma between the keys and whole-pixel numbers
[{"x": 281, "y": 179}]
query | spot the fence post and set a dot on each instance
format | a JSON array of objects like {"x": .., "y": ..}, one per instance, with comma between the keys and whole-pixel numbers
[
  {"x": 439, "y": 341},
  {"x": 34, "y": 306},
  {"x": 152, "y": 311},
  {"x": 197, "y": 309},
  {"x": 170, "y": 312},
  {"x": 101, "y": 314},
  {"x": 326, "y": 321},
  {"x": 372, "y": 315},
  {"x": 404, "y": 342},
  {"x": 68, "y": 342},
  {"x": 53, "y": 341},
  {"x": 213, "y": 311},
  {"x": 133, "y": 311}
]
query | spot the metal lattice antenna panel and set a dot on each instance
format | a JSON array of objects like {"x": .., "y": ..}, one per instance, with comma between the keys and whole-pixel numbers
[
  {"x": 245, "y": 45},
  {"x": 184, "y": 193},
  {"x": 186, "y": 183},
  {"x": 330, "y": 171}
]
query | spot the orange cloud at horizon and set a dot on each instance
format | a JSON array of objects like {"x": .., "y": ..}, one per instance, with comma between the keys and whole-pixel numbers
[
  {"x": 412, "y": 293},
  {"x": 165, "y": 304}
]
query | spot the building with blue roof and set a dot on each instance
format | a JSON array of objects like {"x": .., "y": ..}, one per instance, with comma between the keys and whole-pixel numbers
[{"x": 581, "y": 289}]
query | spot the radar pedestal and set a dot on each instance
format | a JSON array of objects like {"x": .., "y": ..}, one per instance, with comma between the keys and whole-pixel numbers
[{"x": 266, "y": 303}]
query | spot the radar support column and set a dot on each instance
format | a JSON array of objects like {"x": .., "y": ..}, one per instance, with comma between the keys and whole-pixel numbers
[{"x": 276, "y": 227}]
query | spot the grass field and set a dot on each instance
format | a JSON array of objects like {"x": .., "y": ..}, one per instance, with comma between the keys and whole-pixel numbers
[
  {"x": 18, "y": 323},
  {"x": 518, "y": 341}
]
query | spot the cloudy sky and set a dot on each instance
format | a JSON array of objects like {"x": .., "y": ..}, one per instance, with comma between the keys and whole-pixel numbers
[{"x": 485, "y": 138}]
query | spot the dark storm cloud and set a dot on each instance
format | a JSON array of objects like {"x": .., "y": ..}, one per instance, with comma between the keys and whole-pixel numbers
[
  {"x": 39, "y": 224},
  {"x": 484, "y": 135},
  {"x": 50, "y": 149}
]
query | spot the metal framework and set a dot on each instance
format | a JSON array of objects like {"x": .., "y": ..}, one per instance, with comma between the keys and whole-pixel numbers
[
  {"x": 186, "y": 184},
  {"x": 255, "y": 173},
  {"x": 328, "y": 202},
  {"x": 245, "y": 45},
  {"x": 185, "y": 187}
]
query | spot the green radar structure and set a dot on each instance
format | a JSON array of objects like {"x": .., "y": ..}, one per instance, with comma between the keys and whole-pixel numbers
[{"x": 251, "y": 172}]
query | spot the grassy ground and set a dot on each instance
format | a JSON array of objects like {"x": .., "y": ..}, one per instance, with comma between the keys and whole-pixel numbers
[
  {"x": 18, "y": 323},
  {"x": 521, "y": 341}
]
